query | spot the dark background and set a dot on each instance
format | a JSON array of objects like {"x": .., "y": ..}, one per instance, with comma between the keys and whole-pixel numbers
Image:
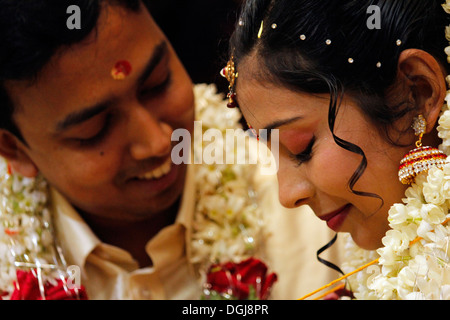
[{"x": 199, "y": 31}]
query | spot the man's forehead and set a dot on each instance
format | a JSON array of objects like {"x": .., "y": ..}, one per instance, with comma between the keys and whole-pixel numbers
[
  {"x": 80, "y": 76},
  {"x": 82, "y": 69},
  {"x": 115, "y": 37}
]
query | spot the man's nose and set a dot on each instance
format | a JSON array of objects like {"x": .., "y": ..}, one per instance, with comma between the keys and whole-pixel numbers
[{"x": 149, "y": 136}]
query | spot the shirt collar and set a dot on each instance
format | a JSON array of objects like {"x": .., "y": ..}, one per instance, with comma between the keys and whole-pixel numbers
[
  {"x": 75, "y": 236},
  {"x": 176, "y": 236}
]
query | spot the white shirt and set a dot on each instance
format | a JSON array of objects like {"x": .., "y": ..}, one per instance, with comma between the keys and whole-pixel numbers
[{"x": 109, "y": 272}]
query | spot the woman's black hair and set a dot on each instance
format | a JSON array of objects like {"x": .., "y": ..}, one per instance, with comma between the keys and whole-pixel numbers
[
  {"x": 340, "y": 52},
  {"x": 31, "y": 31}
]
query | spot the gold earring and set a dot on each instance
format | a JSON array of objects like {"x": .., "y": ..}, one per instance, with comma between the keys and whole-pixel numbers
[
  {"x": 420, "y": 159},
  {"x": 229, "y": 72}
]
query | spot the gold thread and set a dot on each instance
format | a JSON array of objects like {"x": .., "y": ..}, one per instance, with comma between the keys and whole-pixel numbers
[
  {"x": 356, "y": 271},
  {"x": 340, "y": 279},
  {"x": 339, "y": 287}
]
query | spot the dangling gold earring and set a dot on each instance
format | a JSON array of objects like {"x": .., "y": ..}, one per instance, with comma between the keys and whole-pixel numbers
[
  {"x": 422, "y": 158},
  {"x": 229, "y": 72}
]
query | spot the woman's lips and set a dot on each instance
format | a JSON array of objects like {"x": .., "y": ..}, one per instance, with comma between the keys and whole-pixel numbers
[{"x": 336, "y": 218}]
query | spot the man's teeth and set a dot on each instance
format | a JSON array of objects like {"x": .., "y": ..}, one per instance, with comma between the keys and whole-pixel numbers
[{"x": 158, "y": 172}]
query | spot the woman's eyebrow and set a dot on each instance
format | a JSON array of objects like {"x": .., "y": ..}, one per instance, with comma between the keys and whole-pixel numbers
[{"x": 279, "y": 123}]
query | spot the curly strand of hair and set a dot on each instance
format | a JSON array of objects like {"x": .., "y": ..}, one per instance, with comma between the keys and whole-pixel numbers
[{"x": 336, "y": 95}]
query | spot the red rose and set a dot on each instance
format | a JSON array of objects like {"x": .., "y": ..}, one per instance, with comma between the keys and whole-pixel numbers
[
  {"x": 240, "y": 279},
  {"x": 27, "y": 288}
]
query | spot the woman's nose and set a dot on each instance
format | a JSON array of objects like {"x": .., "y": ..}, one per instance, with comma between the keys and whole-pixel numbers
[{"x": 294, "y": 187}]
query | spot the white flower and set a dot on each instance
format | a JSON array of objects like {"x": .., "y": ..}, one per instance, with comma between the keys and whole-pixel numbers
[
  {"x": 432, "y": 213},
  {"x": 227, "y": 224},
  {"x": 414, "y": 193},
  {"x": 446, "y": 6},
  {"x": 415, "y": 296},
  {"x": 424, "y": 229},
  {"x": 398, "y": 214},
  {"x": 409, "y": 230},
  {"x": 395, "y": 240},
  {"x": 445, "y": 292},
  {"x": 445, "y": 189},
  {"x": 384, "y": 287},
  {"x": 444, "y": 124},
  {"x": 432, "y": 188},
  {"x": 447, "y": 33},
  {"x": 444, "y": 120},
  {"x": 406, "y": 282},
  {"x": 447, "y": 51}
]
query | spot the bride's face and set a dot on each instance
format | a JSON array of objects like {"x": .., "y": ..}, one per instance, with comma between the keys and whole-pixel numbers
[{"x": 314, "y": 170}]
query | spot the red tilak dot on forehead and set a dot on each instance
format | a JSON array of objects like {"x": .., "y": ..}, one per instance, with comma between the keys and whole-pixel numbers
[{"x": 121, "y": 70}]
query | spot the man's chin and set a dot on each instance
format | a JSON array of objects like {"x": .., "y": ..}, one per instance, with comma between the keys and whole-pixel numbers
[
  {"x": 167, "y": 199},
  {"x": 137, "y": 202}
]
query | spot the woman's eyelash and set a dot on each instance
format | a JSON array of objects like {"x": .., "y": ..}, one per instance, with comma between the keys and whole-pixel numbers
[{"x": 305, "y": 155}]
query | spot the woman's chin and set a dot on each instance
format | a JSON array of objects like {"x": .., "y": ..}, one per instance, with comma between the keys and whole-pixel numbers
[{"x": 368, "y": 241}]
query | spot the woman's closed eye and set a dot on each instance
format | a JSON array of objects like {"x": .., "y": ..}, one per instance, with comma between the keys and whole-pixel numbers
[{"x": 305, "y": 155}]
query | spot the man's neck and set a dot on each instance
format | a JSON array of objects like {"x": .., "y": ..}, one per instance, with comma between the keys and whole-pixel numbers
[{"x": 132, "y": 236}]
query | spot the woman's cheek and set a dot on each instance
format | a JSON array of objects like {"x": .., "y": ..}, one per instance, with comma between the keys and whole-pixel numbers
[{"x": 330, "y": 167}]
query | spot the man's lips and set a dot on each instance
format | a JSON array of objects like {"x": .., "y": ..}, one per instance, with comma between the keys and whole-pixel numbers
[
  {"x": 147, "y": 170},
  {"x": 153, "y": 184},
  {"x": 156, "y": 172},
  {"x": 336, "y": 218}
]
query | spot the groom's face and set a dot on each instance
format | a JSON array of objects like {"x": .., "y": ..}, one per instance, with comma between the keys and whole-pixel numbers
[{"x": 104, "y": 143}]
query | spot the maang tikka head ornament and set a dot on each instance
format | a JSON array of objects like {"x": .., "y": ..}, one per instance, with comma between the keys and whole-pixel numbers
[{"x": 229, "y": 72}]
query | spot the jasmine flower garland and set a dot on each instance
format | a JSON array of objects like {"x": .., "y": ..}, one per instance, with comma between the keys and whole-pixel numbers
[
  {"x": 414, "y": 261},
  {"x": 27, "y": 240},
  {"x": 227, "y": 222}
]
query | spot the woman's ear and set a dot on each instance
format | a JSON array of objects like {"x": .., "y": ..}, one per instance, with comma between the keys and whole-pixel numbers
[
  {"x": 13, "y": 150},
  {"x": 426, "y": 81}
]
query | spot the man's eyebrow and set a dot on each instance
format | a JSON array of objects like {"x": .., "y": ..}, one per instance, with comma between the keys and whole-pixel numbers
[
  {"x": 159, "y": 53},
  {"x": 80, "y": 116},
  {"x": 279, "y": 123}
]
